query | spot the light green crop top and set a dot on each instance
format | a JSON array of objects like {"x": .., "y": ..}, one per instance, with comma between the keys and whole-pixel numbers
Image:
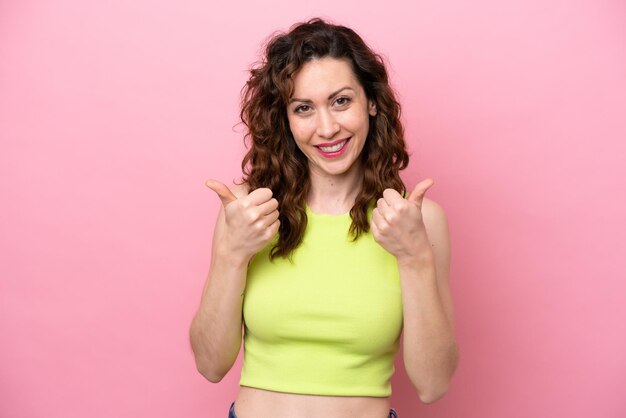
[{"x": 327, "y": 324}]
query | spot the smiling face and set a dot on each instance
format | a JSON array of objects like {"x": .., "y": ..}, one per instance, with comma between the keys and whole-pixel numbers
[{"x": 328, "y": 116}]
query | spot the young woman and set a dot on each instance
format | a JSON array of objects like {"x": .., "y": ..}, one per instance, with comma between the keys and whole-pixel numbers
[{"x": 321, "y": 254}]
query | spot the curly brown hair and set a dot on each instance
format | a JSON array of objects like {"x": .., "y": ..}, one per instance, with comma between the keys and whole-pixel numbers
[{"x": 273, "y": 159}]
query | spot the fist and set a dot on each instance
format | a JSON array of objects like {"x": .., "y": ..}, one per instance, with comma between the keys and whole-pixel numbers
[
  {"x": 250, "y": 222},
  {"x": 397, "y": 223}
]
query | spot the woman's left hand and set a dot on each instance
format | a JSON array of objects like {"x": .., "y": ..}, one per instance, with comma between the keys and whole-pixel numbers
[{"x": 397, "y": 224}]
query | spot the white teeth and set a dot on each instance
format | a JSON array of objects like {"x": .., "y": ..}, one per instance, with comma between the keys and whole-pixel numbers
[{"x": 334, "y": 148}]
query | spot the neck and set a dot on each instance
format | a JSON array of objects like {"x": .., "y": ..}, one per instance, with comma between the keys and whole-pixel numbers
[{"x": 334, "y": 194}]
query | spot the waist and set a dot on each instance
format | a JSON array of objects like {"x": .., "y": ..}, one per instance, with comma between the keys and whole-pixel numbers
[{"x": 253, "y": 402}]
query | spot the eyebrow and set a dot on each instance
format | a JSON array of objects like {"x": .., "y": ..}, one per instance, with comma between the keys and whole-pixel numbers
[{"x": 333, "y": 94}]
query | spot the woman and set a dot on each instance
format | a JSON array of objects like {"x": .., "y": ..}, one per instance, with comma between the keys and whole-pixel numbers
[{"x": 317, "y": 254}]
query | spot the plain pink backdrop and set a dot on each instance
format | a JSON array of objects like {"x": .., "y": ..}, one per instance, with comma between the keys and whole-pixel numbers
[{"x": 112, "y": 115}]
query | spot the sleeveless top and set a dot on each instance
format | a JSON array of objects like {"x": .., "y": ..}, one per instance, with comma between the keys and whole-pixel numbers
[{"x": 328, "y": 322}]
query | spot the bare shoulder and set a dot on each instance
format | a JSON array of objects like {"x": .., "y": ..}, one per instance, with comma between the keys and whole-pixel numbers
[
  {"x": 436, "y": 223},
  {"x": 433, "y": 214}
]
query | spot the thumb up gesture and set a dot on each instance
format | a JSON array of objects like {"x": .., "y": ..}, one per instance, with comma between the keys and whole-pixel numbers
[
  {"x": 397, "y": 222},
  {"x": 251, "y": 221}
]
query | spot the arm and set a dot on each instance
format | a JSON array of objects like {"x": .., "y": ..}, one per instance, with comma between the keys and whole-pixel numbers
[
  {"x": 430, "y": 350},
  {"x": 415, "y": 231},
  {"x": 245, "y": 224}
]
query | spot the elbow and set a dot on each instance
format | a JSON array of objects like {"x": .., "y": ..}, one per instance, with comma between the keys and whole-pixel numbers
[
  {"x": 209, "y": 373},
  {"x": 437, "y": 387},
  {"x": 211, "y": 368},
  {"x": 208, "y": 368},
  {"x": 213, "y": 378},
  {"x": 207, "y": 363},
  {"x": 432, "y": 395}
]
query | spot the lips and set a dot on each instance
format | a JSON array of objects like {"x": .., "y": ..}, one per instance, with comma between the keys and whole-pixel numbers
[{"x": 332, "y": 149}]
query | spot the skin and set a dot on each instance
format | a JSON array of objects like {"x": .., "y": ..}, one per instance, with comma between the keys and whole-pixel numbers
[{"x": 329, "y": 104}]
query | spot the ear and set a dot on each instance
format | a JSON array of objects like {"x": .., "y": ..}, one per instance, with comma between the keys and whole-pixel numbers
[{"x": 372, "y": 108}]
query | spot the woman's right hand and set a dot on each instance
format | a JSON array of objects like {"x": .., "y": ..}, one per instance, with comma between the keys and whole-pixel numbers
[{"x": 251, "y": 221}]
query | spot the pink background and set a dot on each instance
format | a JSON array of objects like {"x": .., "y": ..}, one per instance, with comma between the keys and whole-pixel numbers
[{"x": 112, "y": 114}]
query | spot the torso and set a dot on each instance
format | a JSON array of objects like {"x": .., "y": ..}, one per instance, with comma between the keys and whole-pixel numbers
[
  {"x": 383, "y": 302},
  {"x": 259, "y": 403}
]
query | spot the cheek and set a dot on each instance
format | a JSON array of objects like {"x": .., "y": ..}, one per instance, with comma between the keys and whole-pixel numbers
[
  {"x": 301, "y": 130},
  {"x": 358, "y": 120}
]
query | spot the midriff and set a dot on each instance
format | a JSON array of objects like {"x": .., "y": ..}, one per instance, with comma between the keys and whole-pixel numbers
[{"x": 259, "y": 403}]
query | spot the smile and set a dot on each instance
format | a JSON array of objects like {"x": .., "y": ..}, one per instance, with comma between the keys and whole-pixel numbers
[{"x": 333, "y": 149}]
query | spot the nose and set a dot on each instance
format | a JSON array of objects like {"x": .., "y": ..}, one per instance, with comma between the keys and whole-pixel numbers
[{"x": 327, "y": 126}]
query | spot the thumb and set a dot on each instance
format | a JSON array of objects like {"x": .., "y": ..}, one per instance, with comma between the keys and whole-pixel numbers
[
  {"x": 224, "y": 193},
  {"x": 417, "y": 195}
]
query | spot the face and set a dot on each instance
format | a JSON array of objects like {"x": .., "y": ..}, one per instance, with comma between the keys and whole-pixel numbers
[{"x": 328, "y": 115}]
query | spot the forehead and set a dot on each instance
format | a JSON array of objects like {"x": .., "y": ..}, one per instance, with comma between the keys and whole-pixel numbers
[{"x": 323, "y": 75}]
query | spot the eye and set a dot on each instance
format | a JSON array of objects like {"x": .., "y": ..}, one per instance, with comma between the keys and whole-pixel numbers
[
  {"x": 343, "y": 100},
  {"x": 302, "y": 108}
]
